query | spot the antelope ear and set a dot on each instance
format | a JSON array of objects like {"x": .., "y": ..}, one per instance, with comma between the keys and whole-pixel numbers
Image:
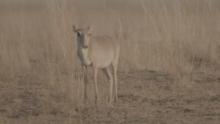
[
  {"x": 90, "y": 34},
  {"x": 89, "y": 30},
  {"x": 74, "y": 29}
]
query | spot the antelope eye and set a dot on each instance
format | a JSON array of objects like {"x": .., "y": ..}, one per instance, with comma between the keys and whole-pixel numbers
[{"x": 78, "y": 34}]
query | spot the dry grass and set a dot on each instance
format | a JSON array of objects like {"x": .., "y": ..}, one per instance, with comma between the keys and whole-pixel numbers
[{"x": 40, "y": 75}]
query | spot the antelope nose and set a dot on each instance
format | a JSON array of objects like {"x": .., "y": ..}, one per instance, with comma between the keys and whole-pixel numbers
[{"x": 85, "y": 46}]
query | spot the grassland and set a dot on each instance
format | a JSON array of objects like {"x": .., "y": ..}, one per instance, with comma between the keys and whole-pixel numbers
[{"x": 169, "y": 70}]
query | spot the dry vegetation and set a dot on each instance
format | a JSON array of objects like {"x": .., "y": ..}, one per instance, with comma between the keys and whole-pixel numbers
[{"x": 168, "y": 73}]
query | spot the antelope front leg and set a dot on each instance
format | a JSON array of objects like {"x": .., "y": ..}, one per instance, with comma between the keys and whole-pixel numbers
[
  {"x": 95, "y": 85},
  {"x": 85, "y": 79}
]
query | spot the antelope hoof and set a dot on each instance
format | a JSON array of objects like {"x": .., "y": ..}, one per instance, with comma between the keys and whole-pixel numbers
[
  {"x": 110, "y": 104},
  {"x": 96, "y": 100},
  {"x": 116, "y": 98}
]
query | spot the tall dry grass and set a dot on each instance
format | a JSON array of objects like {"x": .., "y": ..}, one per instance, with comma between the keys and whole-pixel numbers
[
  {"x": 37, "y": 43},
  {"x": 160, "y": 35}
]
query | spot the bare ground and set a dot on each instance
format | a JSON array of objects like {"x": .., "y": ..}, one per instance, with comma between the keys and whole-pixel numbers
[{"x": 145, "y": 97}]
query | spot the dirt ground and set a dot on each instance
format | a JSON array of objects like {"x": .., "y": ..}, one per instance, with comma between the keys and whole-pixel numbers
[{"x": 145, "y": 97}]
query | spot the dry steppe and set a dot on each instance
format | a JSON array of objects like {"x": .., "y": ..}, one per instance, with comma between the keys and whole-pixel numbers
[{"x": 169, "y": 70}]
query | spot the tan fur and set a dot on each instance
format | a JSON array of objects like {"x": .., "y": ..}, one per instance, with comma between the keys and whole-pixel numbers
[{"x": 101, "y": 53}]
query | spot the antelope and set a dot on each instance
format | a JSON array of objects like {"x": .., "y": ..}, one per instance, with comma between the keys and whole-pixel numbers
[{"x": 99, "y": 52}]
